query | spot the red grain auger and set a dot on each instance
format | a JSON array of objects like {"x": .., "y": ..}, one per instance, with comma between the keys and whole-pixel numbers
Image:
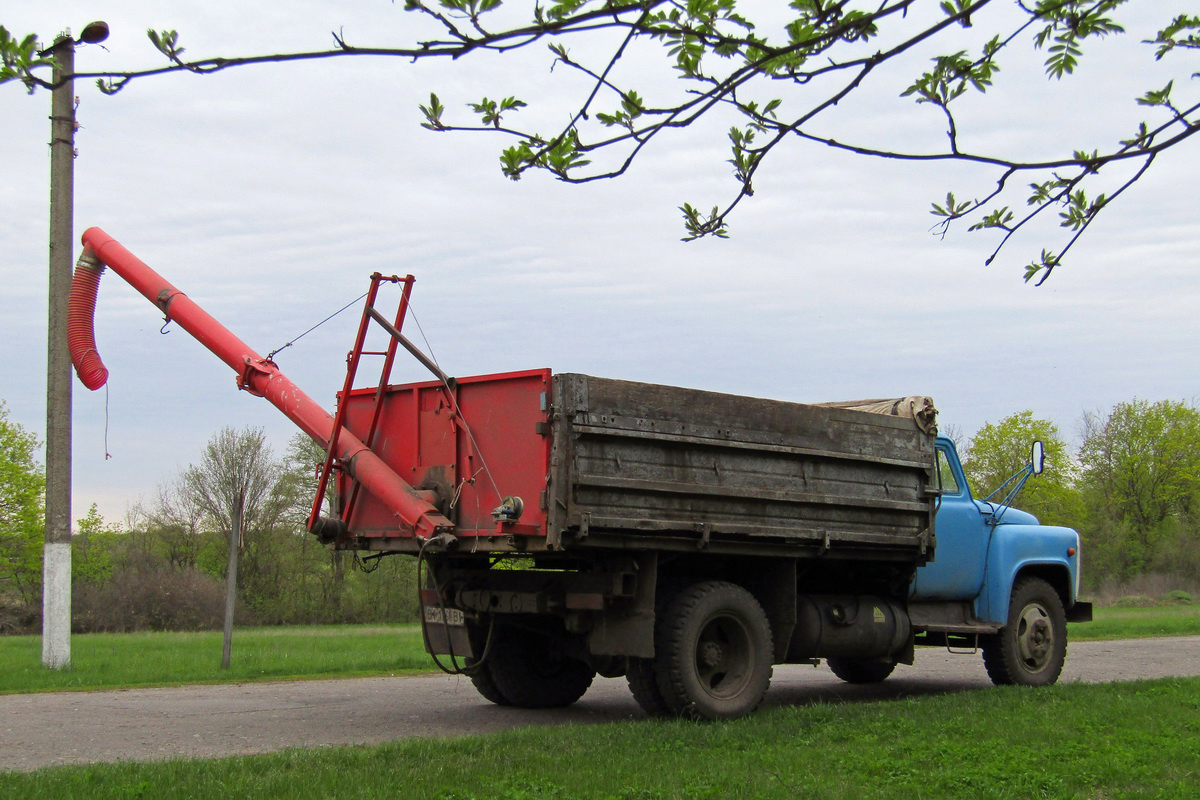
[{"x": 412, "y": 509}]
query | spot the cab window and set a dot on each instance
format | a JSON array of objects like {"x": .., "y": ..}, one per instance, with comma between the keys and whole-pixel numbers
[{"x": 948, "y": 483}]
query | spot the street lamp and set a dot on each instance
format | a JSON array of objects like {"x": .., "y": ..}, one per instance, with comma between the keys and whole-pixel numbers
[
  {"x": 56, "y": 565},
  {"x": 95, "y": 32}
]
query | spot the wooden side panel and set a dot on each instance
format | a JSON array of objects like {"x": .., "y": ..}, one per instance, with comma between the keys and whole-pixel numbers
[{"x": 639, "y": 462}]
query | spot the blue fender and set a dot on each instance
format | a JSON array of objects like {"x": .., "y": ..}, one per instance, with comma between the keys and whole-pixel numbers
[{"x": 1018, "y": 547}]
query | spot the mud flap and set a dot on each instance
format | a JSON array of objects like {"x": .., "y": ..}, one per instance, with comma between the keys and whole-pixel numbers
[
  {"x": 629, "y": 631},
  {"x": 446, "y": 632},
  {"x": 1080, "y": 612}
]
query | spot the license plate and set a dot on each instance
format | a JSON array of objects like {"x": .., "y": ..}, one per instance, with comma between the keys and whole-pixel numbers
[{"x": 435, "y": 615}]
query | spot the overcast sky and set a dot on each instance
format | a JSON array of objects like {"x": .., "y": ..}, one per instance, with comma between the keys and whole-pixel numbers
[{"x": 269, "y": 194}]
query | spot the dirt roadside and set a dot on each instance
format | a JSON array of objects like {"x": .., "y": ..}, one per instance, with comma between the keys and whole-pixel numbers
[{"x": 38, "y": 730}]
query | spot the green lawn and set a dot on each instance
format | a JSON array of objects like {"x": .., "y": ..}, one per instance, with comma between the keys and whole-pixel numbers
[
  {"x": 107, "y": 660},
  {"x": 1127, "y": 740},
  {"x": 1132, "y": 623}
]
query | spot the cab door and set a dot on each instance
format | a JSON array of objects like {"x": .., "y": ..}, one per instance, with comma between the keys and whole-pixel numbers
[{"x": 960, "y": 556}]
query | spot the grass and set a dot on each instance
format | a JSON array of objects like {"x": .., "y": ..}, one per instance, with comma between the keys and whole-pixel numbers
[
  {"x": 1115, "y": 622},
  {"x": 1127, "y": 740},
  {"x": 109, "y": 660},
  {"x": 117, "y": 660}
]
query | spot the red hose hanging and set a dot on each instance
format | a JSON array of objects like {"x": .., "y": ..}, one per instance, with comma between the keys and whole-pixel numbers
[{"x": 81, "y": 311}]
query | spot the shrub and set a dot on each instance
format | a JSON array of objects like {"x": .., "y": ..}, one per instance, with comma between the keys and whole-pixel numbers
[
  {"x": 147, "y": 594},
  {"x": 18, "y": 617},
  {"x": 1178, "y": 597},
  {"x": 1135, "y": 601},
  {"x": 1143, "y": 589}
]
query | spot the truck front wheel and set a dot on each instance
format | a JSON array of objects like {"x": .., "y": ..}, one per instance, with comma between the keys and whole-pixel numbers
[
  {"x": 528, "y": 671},
  {"x": 713, "y": 652},
  {"x": 1031, "y": 648}
]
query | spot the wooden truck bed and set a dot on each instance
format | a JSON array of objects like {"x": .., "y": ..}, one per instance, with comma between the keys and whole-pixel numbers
[{"x": 601, "y": 463}]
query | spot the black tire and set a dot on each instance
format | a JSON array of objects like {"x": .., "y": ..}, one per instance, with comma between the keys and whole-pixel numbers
[
  {"x": 484, "y": 683},
  {"x": 1031, "y": 648},
  {"x": 861, "y": 670},
  {"x": 713, "y": 652},
  {"x": 527, "y": 671},
  {"x": 643, "y": 683}
]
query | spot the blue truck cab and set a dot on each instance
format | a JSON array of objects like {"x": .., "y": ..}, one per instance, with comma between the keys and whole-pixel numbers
[{"x": 999, "y": 582}]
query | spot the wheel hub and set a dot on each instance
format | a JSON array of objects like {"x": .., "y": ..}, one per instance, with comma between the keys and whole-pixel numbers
[
  {"x": 1035, "y": 637},
  {"x": 711, "y": 654}
]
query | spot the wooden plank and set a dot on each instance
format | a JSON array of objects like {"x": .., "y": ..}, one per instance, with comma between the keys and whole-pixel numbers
[
  {"x": 796, "y": 424},
  {"x": 741, "y": 440},
  {"x": 704, "y": 490}
]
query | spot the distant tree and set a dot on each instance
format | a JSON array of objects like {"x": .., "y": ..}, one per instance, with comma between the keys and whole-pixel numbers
[
  {"x": 237, "y": 472},
  {"x": 324, "y": 584},
  {"x": 956, "y": 435},
  {"x": 324, "y": 569},
  {"x": 162, "y": 571},
  {"x": 301, "y": 461},
  {"x": 97, "y": 547},
  {"x": 22, "y": 512},
  {"x": 177, "y": 521},
  {"x": 782, "y": 77},
  {"x": 1141, "y": 464},
  {"x": 998, "y": 451}
]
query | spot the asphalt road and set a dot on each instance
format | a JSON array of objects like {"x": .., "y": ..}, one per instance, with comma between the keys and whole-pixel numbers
[{"x": 38, "y": 730}]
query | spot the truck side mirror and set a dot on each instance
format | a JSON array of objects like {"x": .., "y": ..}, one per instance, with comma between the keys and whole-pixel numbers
[{"x": 1037, "y": 457}]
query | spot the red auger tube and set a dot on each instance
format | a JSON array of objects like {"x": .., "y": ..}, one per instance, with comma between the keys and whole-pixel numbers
[
  {"x": 81, "y": 311},
  {"x": 262, "y": 378}
]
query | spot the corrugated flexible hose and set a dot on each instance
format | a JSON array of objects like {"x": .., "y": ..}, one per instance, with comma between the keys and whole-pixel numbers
[{"x": 81, "y": 310}]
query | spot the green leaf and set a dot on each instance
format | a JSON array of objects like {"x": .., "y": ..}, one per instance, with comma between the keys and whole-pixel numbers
[
  {"x": 632, "y": 104},
  {"x": 18, "y": 59},
  {"x": 1047, "y": 264},
  {"x": 1169, "y": 37},
  {"x": 699, "y": 225},
  {"x": 952, "y": 209},
  {"x": 167, "y": 43},
  {"x": 1162, "y": 97},
  {"x": 433, "y": 113},
  {"x": 563, "y": 8},
  {"x": 515, "y": 160},
  {"x": 997, "y": 219},
  {"x": 1140, "y": 139},
  {"x": 491, "y": 112}
]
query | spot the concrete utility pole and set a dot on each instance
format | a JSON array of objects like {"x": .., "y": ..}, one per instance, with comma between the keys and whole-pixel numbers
[
  {"x": 56, "y": 565},
  {"x": 235, "y": 541}
]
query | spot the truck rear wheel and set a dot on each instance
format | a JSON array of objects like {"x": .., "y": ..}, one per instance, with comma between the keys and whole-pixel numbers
[
  {"x": 643, "y": 684},
  {"x": 1031, "y": 648},
  {"x": 528, "y": 671},
  {"x": 484, "y": 683},
  {"x": 861, "y": 670},
  {"x": 713, "y": 652}
]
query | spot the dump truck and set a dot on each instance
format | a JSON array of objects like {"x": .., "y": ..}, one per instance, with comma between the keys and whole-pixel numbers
[{"x": 567, "y": 526}]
